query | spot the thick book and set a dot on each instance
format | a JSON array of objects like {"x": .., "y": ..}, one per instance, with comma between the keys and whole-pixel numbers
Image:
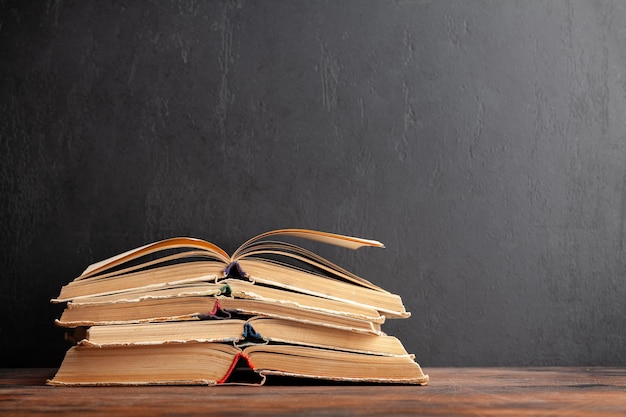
[
  {"x": 199, "y": 301},
  {"x": 208, "y": 363},
  {"x": 261, "y": 261},
  {"x": 238, "y": 331}
]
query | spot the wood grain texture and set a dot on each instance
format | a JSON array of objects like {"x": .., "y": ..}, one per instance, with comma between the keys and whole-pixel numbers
[{"x": 561, "y": 391}]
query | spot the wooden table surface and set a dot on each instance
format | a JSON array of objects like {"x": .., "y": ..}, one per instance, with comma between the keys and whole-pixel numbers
[{"x": 594, "y": 392}]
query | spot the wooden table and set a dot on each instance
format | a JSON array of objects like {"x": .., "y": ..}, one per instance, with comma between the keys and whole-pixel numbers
[{"x": 452, "y": 392}]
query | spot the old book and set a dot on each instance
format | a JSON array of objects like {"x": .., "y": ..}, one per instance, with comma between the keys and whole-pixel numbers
[
  {"x": 208, "y": 363},
  {"x": 238, "y": 331},
  {"x": 196, "y": 301},
  {"x": 264, "y": 262}
]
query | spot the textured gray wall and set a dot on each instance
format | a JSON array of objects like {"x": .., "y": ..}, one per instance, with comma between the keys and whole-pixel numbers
[{"x": 484, "y": 142}]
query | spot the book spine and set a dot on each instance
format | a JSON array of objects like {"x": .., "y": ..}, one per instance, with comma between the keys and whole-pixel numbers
[{"x": 239, "y": 356}]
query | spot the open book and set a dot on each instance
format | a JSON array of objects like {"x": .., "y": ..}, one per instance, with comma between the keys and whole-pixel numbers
[
  {"x": 208, "y": 363},
  {"x": 202, "y": 301},
  {"x": 185, "y": 260},
  {"x": 254, "y": 330}
]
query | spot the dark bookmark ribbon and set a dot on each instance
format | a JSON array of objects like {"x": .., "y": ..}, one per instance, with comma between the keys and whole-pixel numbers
[
  {"x": 217, "y": 314},
  {"x": 250, "y": 334},
  {"x": 238, "y": 272},
  {"x": 226, "y": 291}
]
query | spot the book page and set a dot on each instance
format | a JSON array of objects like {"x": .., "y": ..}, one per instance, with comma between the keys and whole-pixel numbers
[
  {"x": 324, "y": 237},
  {"x": 173, "y": 243}
]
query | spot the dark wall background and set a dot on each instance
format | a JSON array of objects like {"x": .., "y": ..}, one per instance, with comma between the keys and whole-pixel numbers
[{"x": 483, "y": 142}]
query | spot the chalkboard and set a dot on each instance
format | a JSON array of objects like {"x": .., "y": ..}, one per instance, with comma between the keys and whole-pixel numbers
[{"x": 483, "y": 142}]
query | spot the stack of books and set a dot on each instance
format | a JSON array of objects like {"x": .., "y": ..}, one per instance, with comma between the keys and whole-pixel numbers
[{"x": 182, "y": 311}]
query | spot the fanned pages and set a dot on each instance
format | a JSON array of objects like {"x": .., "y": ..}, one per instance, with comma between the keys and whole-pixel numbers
[{"x": 330, "y": 238}]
